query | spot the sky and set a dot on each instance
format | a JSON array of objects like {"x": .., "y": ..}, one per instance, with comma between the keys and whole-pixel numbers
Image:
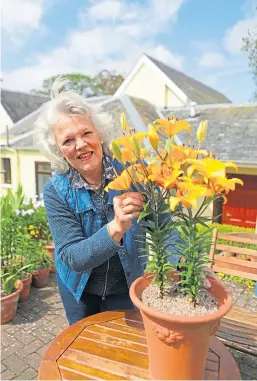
[{"x": 202, "y": 38}]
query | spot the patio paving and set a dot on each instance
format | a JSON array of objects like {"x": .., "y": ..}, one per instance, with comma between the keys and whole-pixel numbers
[{"x": 42, "y": 318}]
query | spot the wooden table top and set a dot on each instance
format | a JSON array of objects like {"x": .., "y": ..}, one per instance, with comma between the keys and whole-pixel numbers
[{"x": 112, "y": 346}]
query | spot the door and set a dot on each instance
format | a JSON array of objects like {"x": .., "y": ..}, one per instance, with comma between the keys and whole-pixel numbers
[{"x": 241, "y": 208}]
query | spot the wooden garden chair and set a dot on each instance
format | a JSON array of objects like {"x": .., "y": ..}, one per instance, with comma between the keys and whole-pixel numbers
[{"x": 239, "y": 327}]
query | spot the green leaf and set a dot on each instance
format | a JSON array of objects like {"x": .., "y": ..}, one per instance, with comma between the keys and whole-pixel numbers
[{"x": 144, "y": 214}]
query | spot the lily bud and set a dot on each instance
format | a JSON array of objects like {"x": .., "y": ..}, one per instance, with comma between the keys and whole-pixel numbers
[
  {"x": 116, "y": 151},
  {"x": 201, "y": 131},
  {"x": 153, "y": 137},
  {"x": 123, "y": 121}
]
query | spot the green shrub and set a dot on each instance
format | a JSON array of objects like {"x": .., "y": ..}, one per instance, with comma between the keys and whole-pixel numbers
[{"x": 247, "y": 282}]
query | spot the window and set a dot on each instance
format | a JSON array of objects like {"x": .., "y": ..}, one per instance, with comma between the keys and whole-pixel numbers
[
  {"x": 43, "y": 172},
  {"x": 6, "y": 171}
]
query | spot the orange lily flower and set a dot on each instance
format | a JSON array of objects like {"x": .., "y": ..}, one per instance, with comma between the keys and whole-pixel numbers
[
  {"x": 164, "y": 176},
  {"x": 173, "y": 126},
  {"x": 221, "y": 184},
  {"x": 121, "y": 182},
  {"x": 181, "y": 153}
]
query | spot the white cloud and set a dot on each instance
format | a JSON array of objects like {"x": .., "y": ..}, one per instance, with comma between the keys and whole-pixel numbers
[
  {"x": 19, "y": 18},
  {"x": 107, "y": 45},
  {"x": 233, "y": 40},
  {"x": 163, "y": 54},
  {"x": 211, "y": 60},
  {"x": 106, "y": 9},
  {"x": 165, "y": 9}
]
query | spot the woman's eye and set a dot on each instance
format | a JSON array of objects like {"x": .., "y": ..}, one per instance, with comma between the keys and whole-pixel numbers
[
  {"x": 87, "y": 133},
  {"x": 68, "y": 141}
]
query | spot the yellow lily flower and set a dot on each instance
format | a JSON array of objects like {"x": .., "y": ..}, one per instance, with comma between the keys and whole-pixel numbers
[
  {"x": 139, "y": 173},
  {"x": 153, "y": 136},
  {"x": 221, "y": 184},
  {"x": 173, "y": 126},
  {"x": 201, "y": 131},
  {"x": 121, "y": 182},
  {"x": 187, "y": 195},
  {"x": 209, "y": 168}
]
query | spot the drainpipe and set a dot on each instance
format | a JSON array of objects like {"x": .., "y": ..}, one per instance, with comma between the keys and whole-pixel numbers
[{"x": 7, "y": 136}]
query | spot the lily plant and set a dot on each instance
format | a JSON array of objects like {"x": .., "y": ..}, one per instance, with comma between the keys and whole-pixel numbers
[{"x": 178, "y": 184}]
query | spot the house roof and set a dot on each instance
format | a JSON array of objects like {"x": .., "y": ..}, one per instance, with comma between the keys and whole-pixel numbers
[
  {"x": 139, "y": 113},
  {"x": 186, "y": 88},
  {"x": 195, "y": 90},
  {"x": 18, "y": 105},
  {"x": 231, "y": 134}
]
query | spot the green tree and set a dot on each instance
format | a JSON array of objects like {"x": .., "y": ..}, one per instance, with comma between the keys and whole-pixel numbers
[
  {"x": 104, "y": 83},
  {"x": 107, "y": 82},
  {"x": 250, "y": 46}
]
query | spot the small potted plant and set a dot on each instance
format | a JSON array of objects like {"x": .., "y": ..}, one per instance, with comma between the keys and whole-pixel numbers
[
  {"x": 179, "y": 314},
  {"x": 40, "y": 264},
  {"x": 11, "y": 288},
  {"x": 24, "y": 245}
]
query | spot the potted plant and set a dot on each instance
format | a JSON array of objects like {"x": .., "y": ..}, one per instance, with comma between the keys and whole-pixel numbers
[
  {"x": 40, "y": 264},
  {"x": 179, "y": 314},
  {"x": 34, "y": 214},
  {"x": 24, "y": 246},
  {"x": 11, "y": 288},
  {"x": 15, "y": 239}
]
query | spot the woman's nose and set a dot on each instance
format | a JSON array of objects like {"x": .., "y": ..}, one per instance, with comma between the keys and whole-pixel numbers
[{"x": 80, "y": 142}]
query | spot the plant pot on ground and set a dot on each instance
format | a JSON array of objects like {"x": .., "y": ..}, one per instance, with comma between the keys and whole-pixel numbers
[
  {"x": 40, "y": 264},
  {"x": 178, "y": 311},
  {"x": 25, "y": 293},
  {"x": 40, "y": 277},
  {"x": 11, "y": 288}
]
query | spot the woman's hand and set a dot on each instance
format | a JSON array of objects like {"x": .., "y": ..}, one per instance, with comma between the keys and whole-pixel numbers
[
  {"x": 126, "y": 207},
  {"x": 209, "y": 273}
]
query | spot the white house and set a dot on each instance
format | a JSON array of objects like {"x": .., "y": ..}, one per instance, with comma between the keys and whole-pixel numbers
[{"x": 164, "y": 86}]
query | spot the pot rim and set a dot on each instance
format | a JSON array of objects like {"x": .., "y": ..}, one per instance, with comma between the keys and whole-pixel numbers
[
  {"x": 185, "y": 319},
  {"x": 27, "y": 278},
  {"x": 34, "y": 272},
  {"x": 14, "y": 293}
]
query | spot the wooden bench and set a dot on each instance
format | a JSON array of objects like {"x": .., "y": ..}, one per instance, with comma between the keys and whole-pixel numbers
[
  {"x": 229, "y": 259},
  {"x": 239, "y": 331},
  {"x": 239, "y": 327}
]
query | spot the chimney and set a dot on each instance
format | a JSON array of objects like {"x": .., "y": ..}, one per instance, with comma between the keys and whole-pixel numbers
[{"x": 192, "y": 109}]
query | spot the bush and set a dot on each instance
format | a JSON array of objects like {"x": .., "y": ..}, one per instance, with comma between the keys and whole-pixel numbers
[{"x": 24, "y": 233}]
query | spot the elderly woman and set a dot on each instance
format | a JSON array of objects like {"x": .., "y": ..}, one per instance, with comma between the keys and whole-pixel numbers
[{"x": 94, "y": 232}]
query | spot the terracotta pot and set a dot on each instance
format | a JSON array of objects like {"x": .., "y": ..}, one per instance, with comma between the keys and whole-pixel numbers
[
  {"x": 178, "y": 345},
  {"x": 24, "y": 295},
  {"x": 40, "y": 277},
  {"x": 9, "y": 303},
  {"x": 50, "y": 254}
]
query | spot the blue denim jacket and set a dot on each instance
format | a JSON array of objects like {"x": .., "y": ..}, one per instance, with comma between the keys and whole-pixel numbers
[{"x": 81, "y": 243}]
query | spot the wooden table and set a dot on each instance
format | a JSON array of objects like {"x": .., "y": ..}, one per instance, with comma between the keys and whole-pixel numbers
[{"x": 112, "y": 346}]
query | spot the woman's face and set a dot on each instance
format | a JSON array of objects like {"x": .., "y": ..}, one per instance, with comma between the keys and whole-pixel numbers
[{"x": 79, "y": 143}]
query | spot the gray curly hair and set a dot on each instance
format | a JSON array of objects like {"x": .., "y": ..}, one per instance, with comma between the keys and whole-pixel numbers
[{"x": 67, "y": 102}]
